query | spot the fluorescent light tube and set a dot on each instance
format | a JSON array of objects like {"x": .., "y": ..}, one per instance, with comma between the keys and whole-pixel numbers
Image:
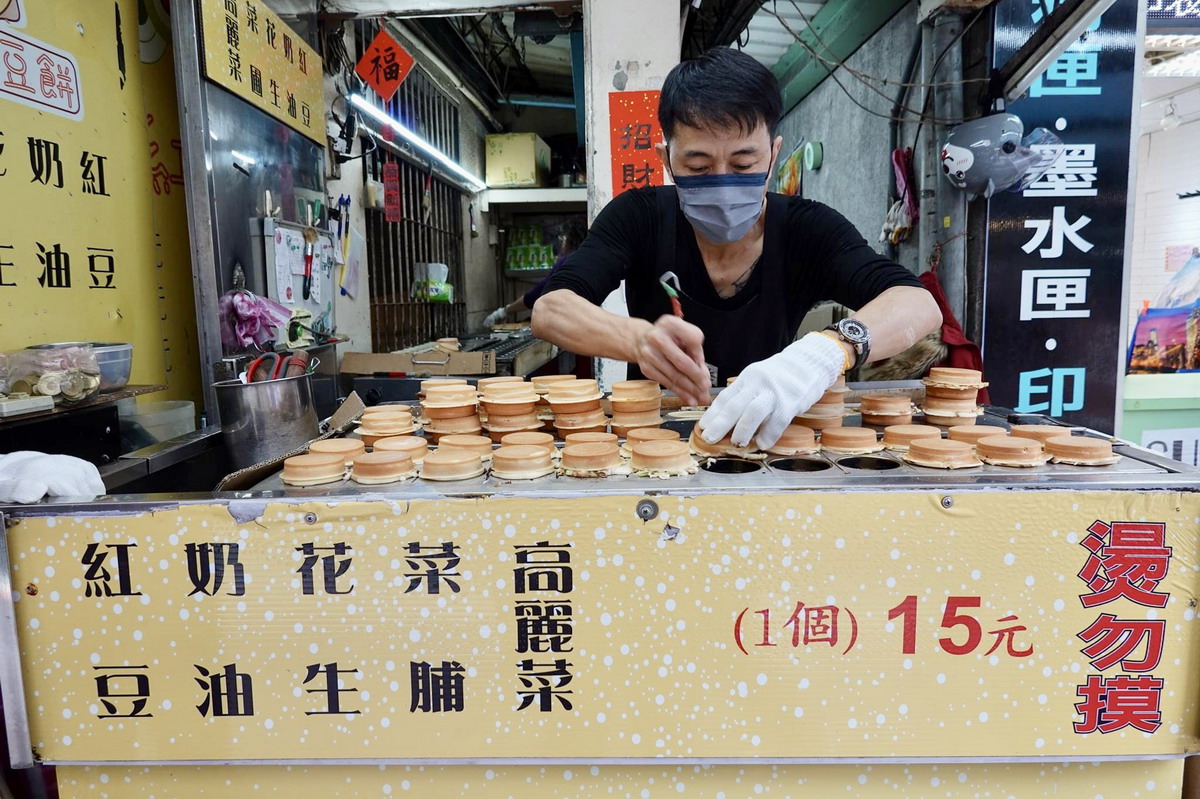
[{"x": 418, "y": 142}]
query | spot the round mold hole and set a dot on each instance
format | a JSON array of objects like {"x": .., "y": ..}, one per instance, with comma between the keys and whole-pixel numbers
[
  {"x": 867, "y": 463},
  {"x": 729, "y": 466},
  {"x": 800, "y": 464}
]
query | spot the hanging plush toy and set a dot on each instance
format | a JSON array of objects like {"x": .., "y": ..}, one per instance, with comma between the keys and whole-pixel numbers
[{"x": 991, "y": 154}]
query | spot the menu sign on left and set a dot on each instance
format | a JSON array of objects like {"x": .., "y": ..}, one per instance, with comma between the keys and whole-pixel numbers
[{"x": 251, "y": 52}]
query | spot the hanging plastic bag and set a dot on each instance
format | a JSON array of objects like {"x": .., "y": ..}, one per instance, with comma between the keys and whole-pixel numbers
[{"x": 248, "y": 320}]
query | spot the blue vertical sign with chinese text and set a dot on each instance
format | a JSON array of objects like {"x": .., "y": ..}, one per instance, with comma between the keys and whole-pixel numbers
[{"x": 1055, "y": 258}]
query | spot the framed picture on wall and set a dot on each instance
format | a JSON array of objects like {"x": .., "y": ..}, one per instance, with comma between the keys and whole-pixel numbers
[{"x": 788, "y": 175}]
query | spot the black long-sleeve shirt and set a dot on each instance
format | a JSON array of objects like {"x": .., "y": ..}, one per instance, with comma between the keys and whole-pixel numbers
[
  {"x": 810, "y": 253},
  {"x": 826, "y": 257}
]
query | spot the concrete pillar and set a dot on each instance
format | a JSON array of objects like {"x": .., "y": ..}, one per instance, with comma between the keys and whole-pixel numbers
[
  {"x": 943, "y": 207},
  {"x": 629, "y": 45}
]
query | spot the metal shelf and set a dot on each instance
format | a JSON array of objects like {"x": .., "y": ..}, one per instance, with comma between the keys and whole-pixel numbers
[
  {"x": 545, "y": 197},
  {"x": 104, "y": 398}
]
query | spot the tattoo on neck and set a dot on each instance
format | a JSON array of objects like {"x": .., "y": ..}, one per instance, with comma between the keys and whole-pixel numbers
[{"x": 740, "y": 282}]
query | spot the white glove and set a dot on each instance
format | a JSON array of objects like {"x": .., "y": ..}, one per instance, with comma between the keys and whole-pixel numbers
[
  {"x": 26, "y": 477},
  {"x": 767, "y": 395},
  {"x": 495, "y": 317}
]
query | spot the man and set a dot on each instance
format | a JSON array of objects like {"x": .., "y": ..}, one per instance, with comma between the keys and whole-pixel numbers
[{"x": 749, "y": 264}]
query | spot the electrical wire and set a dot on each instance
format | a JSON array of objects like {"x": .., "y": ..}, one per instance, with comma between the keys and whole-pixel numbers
[
  {"x": 832, "y": 66},
  {"x": 337, "y": 57},
  {"x": 340, "y": 66},
  {"x": 937, "y": 63},
  {"x": 866, "y": 76}
]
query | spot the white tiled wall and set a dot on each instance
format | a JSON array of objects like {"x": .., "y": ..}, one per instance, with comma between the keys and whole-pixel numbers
[{"x": 1168, "y": 163}]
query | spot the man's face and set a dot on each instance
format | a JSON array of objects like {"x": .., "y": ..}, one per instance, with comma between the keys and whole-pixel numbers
[{"x": 704, "y": 151}]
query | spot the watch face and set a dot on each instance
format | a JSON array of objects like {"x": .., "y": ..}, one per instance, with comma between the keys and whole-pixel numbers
[{"x": 853, "y": 330}]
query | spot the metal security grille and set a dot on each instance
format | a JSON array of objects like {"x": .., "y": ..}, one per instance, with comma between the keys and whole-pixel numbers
[{"x": 430, "y": 229}]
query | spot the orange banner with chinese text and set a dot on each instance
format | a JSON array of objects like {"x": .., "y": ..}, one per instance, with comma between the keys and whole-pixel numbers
[
  {"x": 633, "y": 135},
  {"x": 384, "y": 65}
]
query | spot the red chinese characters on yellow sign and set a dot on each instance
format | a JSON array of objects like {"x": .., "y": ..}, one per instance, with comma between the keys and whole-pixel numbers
[
  {"x": 38, "y": 75},
  {"x": 634, "y": 130},
  {"x": 384, "y": 65}
]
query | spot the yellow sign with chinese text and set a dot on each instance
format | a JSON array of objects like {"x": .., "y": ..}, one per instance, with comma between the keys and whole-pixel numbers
[
  {"x": 798, "y": 625},
  {"x": 93, "y": 230},
  {"x": 251, "y": 52}
]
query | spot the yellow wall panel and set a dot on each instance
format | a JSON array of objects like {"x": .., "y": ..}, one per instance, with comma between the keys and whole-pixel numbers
[{"x": 81, "y": 219}]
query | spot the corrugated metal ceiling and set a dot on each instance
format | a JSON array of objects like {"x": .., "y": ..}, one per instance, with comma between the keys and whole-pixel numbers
[
  {"x": 766, "y": 38},
  {"x": 553, "y": 58},
  {"x": 1177, "y": 55}
]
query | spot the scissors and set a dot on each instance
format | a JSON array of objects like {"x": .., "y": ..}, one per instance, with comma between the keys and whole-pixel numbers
[{"x": 273, "y": 366}]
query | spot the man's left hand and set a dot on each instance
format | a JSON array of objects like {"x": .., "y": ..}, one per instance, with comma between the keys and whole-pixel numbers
[{"x": 767, "y": 395}]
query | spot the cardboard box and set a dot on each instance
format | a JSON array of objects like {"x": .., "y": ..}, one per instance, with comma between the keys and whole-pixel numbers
[
  {"x": 429, "y": 362},
  {"x": 517, "y": 160}
]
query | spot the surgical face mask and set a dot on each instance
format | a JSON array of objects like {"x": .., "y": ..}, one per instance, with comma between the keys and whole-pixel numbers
[{"x": 722, "y": 207}]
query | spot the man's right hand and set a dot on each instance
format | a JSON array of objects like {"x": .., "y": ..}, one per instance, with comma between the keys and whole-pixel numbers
[{"x": 671, "y": 352}]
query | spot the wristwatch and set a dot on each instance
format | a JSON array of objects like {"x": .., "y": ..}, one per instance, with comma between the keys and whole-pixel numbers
[{"x": 854, "y": 333}]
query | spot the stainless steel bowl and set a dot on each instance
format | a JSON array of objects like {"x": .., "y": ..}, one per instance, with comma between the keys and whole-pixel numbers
[{"x": 114, "y": 358}]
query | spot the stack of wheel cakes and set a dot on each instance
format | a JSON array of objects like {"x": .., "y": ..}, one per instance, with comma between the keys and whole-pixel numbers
[
  {"x": 952, "y": 396},
  {"x": 886, "y": 410},
  {"x": 383, "y": 421},
  {"x": 541, "y": 385},
  {"x": 635, "y": 404},
  {"x": 511, "y": 407},
  {"x": 576, "y": 406},
  {"x": 592, "y": 458},
  {"x": 434, "y": 382},
  {"x": 451, "y": 409},
  {"x": 640, "y": 435}
]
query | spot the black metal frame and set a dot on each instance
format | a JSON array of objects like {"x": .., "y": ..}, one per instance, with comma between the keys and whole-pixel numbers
[{"x": 398, "y": 320}]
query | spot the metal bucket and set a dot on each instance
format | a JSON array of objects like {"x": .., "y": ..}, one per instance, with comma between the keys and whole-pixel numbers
[{"x": 261, "y": 421}]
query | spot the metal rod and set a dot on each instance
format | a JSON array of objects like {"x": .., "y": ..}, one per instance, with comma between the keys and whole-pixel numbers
[
  {"x": 950, "y": 204},
  {"x": 12, "y": 685},
  {"x": 193, "y": 127}
]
